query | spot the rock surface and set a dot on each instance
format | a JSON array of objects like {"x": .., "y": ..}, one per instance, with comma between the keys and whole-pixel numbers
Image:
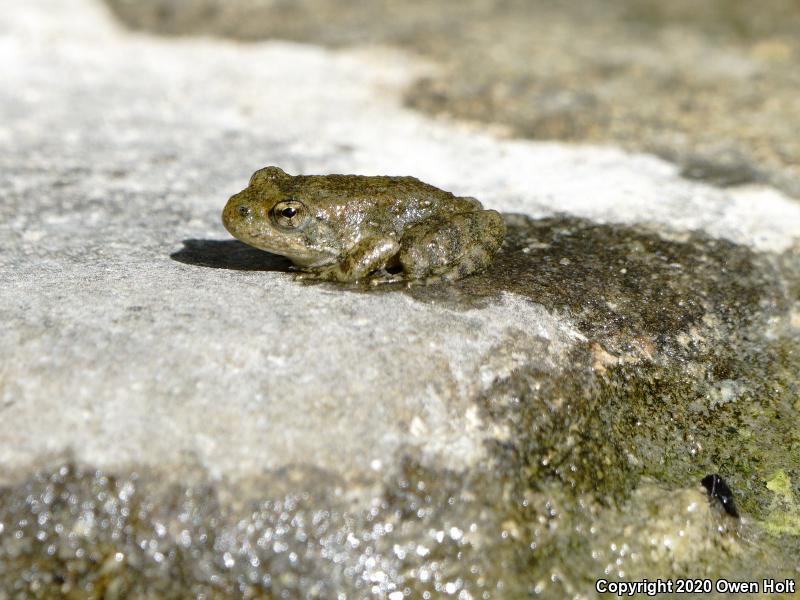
[
  {"x": 710, "y": 87},
  {"x": 181, "y": 416}
]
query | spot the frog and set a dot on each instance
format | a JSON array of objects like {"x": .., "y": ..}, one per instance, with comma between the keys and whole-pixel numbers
[{"x": 362, "y": 228}]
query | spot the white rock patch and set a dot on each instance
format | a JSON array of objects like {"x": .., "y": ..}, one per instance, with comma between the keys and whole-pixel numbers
[{"x": 122, "y": 145}]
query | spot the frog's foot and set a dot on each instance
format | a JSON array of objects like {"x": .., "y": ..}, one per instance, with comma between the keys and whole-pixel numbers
[
  {"x": 311, "y": 276},
  {"x": 328, "y": 273},
  {"x": 383, "y": 277},
  {"x": 335, "y": 274},
  {"x": 369, "y": 259},
  {"x": 369, "y": 256}
]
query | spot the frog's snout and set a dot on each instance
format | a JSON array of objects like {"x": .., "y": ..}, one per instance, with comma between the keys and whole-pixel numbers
[{"x": 236, "y": 210}]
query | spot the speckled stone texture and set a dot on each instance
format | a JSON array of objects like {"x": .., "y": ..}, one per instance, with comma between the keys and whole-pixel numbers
[{"x": 181, "y": 416}]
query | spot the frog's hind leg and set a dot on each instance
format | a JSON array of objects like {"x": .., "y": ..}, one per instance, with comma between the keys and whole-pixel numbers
[{"x": 451, "y": 247}]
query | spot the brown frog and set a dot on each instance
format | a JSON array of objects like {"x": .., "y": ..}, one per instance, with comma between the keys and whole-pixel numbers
[{"x": 358, "y": 228}]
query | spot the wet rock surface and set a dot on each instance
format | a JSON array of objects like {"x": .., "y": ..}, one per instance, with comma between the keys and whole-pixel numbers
[{"x": 181, "y": 416}]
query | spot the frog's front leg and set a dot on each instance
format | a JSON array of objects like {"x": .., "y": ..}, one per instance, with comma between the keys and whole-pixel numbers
[{"x": 367, "y": 256}]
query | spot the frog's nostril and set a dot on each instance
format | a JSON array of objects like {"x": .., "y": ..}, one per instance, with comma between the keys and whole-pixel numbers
[{"x": 243, "y": 210}]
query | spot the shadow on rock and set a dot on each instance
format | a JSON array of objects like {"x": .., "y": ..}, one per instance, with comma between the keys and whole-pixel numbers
[
  {"x": 617, "y": 281},
  {"x": 229, "y": 254}
]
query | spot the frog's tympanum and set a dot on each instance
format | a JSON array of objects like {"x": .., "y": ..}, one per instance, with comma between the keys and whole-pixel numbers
[{"x": 357, "y": 228}]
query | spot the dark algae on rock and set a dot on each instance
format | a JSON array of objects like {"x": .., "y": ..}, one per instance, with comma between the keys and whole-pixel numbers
[
  {"x": 690, "y": 365},
  {"x": 625, "y": 285}
]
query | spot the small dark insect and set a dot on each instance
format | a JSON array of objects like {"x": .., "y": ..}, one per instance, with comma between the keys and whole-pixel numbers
[{"x": 719, "y": 490}]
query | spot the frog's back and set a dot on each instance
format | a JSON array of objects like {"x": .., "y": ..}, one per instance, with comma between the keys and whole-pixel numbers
[{"x": 381, "y": 190}]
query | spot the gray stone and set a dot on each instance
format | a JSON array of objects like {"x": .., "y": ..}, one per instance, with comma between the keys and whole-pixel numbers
[{"x": 181, "y": 416}]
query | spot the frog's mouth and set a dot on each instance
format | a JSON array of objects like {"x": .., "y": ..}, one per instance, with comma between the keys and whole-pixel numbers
[
  {"x": 298, "y": 254},
  {"x": 267, "y": 239}
]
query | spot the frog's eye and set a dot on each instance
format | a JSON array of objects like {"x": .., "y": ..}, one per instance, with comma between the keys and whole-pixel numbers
[{"x": 290, "y": 214}]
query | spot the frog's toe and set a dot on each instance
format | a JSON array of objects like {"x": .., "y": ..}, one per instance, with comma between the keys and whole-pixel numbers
[
  {"x": 383, "y": 277},
  {"x": 307, "y": 276},
  {"x": 323, "y": 274}
]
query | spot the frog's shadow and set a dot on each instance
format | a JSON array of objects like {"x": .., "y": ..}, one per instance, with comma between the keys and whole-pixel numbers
[{"x": 229, "y": 254}]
